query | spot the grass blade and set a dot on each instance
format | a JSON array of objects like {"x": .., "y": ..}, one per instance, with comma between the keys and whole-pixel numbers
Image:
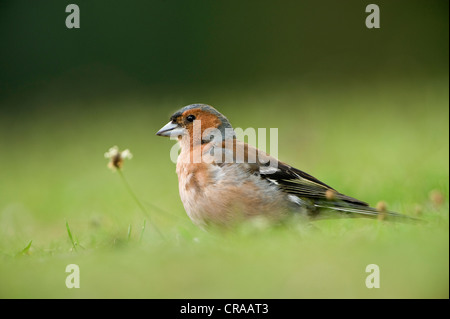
[
  {"x": 129, "y": 232},
  {"x": 70, "y": 236},
  {"x": 26, "y": 249},
  {"x": 142, "y": 231}
]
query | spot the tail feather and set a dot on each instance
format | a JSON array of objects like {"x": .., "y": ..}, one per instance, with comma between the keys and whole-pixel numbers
[{"x": 362, "y": 211}]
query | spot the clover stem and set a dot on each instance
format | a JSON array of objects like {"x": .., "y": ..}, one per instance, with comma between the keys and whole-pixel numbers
[{"x": 130, "y": 190}]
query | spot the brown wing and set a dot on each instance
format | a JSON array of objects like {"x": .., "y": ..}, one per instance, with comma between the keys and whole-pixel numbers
[
  {"x": 288, "y": 178},
  {"x": 301, "y": 184}
]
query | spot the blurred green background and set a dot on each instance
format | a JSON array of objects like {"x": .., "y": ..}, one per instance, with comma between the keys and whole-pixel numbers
[{"x": 364, "y": 110}]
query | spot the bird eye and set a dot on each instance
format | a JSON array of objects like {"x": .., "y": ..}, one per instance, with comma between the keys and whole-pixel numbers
[{"x": 190, "y": 118}]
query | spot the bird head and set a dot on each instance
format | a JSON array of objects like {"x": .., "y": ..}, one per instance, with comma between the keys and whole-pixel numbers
[{"x": 200, "y": 123}]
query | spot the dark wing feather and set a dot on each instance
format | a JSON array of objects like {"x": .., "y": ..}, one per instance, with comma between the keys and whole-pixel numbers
[
  {"x": 301, "y": 184},
  {"x": 298, "y": 183},
  {"x": 288, "y": 178}
]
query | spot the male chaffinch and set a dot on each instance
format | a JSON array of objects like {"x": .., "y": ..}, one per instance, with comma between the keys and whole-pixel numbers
[{"x": 223, "y": 180}]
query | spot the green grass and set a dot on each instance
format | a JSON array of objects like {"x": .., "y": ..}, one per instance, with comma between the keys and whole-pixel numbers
[{"x": 384, "y": 141}]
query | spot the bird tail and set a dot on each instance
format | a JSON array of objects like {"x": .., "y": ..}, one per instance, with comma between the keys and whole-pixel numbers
[{"x": 353, "y": 210}]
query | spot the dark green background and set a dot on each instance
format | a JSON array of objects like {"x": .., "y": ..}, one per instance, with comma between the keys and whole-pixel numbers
[{"x": 125, "y": 45}]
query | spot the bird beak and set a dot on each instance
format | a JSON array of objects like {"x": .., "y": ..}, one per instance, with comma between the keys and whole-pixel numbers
[{"x": 171, "y": 129}]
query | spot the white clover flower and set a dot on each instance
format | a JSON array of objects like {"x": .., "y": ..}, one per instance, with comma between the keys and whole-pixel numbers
[
  {"x": 116, "y": 157},
  {"x": 112, "y": 152},
  {"x": 126, "y": 154}
]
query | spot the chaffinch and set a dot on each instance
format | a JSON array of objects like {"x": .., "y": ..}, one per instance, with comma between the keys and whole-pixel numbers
[{"x": 223, "y": 180}]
